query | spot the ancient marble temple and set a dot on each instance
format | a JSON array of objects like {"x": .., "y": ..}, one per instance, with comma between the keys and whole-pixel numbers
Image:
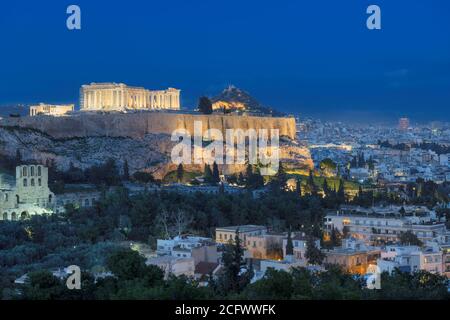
[{"x": 119, "y": 97}]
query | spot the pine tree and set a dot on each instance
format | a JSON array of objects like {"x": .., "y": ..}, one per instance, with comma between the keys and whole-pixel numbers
[
  {"x": 289, "y": 244},
  {"x": 278, "y": 182},
  {"x": 205, "y": 105},
  {"x": 312, "y": 185},
  {"x": 298, "y": 186},
  {"x": 313, "y": 254},
  {"x": 207, "y": 174},
  {"x": 180, "y": 173},
  {"x": 231, "y": 278},
  {"x": 341, "y": 191},
  {"x": 215, "y": 173},
  {"x": 258, "y": 180},
  {"x": 241, "y": 179},
  {"x": 335, "y": 238},
  {"x": 126, "y": 171},
  {"x": 18, "y": 159},
  {"x": 249, "y": 172}
]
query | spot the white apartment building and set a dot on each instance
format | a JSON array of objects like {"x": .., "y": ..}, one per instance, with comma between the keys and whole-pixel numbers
[
  {"x": 376, "y": 224},
  {"x": 411, "y": 259},
  {"x": 180, "y": 246}
]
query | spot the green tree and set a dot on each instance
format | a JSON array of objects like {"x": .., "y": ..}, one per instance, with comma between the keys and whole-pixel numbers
[
  {"x": 327, "y": 167},
  {"x": 144, "y": 177},
  {"x": 232, "y": 279},
  {"x": 207, "y": 174},
  {"x": 289, "y": 244},
  {"x": 311, "y": 184},
  {"x": 253, "y": 178},
  {"x": 241, "y": 179},
  {"x": 275, "y": 285},
  {"x": 313, "y": 254},
  {"x": 298, "y": 186},
  {"x": 18, "y": 159},
  {"x": 341, "y": 192},
  {"x": 409, "y": 238},
  {"x": 215, "y": 173},
  {"x": 335, "y": 238},
  {"x": 106, "y": 173},
  {"x": 126, "y": 264},
  {"x": 180, "y": 172},
  {"x": 42, "y": 285},
  {"x": 279, "y": 180},
  {"x": 205, "y": 105},
  {"x": 126, "y": 171}
]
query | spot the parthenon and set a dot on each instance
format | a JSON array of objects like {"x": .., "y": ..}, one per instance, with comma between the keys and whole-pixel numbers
[{"x": 120, "y": 97}]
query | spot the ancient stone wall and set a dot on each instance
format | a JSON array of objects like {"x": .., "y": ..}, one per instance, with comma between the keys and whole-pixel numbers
[{"x": 136, "y": 125}]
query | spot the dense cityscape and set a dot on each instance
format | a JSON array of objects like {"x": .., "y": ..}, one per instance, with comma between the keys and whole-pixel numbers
[{"x": 364, "y": 206}]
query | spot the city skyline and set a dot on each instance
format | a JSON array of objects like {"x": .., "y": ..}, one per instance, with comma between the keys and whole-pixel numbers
[{"x": 341, "y": 70}]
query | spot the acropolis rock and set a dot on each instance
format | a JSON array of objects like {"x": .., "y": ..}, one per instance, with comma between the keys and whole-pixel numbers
[{"x": 143, "y": 139}]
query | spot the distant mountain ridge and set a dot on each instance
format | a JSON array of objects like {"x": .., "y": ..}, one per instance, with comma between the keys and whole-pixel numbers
[{"x": 235, "y": 99}]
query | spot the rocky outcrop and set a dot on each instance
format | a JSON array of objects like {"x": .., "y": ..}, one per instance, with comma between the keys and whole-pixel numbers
[
  {"x": 141, "y": 139},
  {"x": 235, "y": 99}
]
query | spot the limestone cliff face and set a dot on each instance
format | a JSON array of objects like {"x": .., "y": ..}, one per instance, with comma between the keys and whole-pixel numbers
[
  {"x": 136, "y": 125},
  {"x": 152, "y": 151},
  {"x": 141, "y": 139}
]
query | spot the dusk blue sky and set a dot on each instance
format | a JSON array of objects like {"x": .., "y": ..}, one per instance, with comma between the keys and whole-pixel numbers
[{"x": 305, "y": 57}]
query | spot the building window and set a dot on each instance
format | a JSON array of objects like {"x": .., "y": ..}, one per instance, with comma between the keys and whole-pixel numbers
[
  {"x": 25, "y": 182},
  {"x": 39, "y": 182},
  {"x": 24, "y": 171},
  {"x": 32, "y": 182},
  {"x": 39, "y": 171},
  {"x": 6, "y": 197},
  {"x": 31, "y": 171}
]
